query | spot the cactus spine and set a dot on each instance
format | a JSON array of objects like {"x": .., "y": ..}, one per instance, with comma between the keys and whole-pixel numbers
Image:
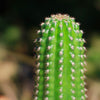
[{"x": 60, "y": 69}]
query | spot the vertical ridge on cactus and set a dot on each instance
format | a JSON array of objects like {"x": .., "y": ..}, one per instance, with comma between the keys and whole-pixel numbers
[{"x": 60, "y": 69}]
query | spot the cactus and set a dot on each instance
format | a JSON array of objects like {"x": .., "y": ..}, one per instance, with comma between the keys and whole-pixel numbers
[{"x": 60, "y": 68}]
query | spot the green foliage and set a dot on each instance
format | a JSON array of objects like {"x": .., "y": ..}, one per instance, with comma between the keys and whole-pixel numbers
[
  {"x": 94, "y": 57},
  {"x": 60, "y": 70},
  {"x": 11, "y": 36}
]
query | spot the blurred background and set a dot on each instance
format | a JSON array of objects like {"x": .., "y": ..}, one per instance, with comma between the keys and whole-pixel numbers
[{"x": 19, "y": 21}]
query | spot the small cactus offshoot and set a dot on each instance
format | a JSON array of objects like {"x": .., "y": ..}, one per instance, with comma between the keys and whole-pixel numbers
[{"x": 60, "y": 68}]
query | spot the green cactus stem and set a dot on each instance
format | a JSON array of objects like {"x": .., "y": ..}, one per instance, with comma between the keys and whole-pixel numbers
[{"x": 60, "y": 69}]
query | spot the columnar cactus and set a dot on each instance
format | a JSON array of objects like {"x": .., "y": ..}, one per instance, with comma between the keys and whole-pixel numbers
[{"x": 60, "y": 69}]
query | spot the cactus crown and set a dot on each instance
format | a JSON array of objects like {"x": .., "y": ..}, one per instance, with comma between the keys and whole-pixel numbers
[{"x": 60, "y": 69}]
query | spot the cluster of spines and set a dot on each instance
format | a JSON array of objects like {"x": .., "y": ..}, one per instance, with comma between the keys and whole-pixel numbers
[{"x": 52, "y": 53}]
